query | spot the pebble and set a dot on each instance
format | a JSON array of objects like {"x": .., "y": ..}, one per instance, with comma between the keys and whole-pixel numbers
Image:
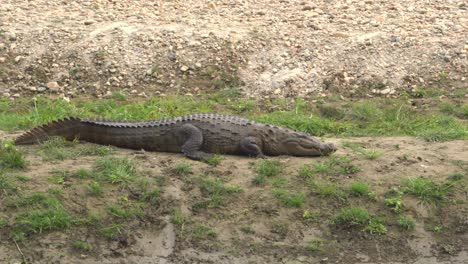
[
  {"x": 53, "y": 86},
  {"x": 184, "y": 68}
]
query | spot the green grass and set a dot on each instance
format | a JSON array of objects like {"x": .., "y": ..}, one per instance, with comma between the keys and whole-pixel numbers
[
  {"x": 82, "y": 174},
  {"x": 7, "y": 187},
  {"x": 152, "y": 196},
  {"x": 406, "y": 223},
  {"x": 396, "y": 204},
  {"x": 183, "y": 168},
  {"x": 214, "y": 161},
  {"x": 315, "y": 245},
  {"x": 426, "y": 189},
  {"x": 115, "y": 170},
  {"x": 336, "y": 165},
  {"x": 268, "y": 168},
  {"x": 372, "y": 117},
  {"x": 370, "y": 154},
  {"x": 10, "y": 156},
  {"x": 306, "y": 172},
  {"x": 112, "y": 231},
  {"x": 290, "y": 199},
  {"x": 124, "y": 212},
  {"x": 82, "y": 246},
  {"x": 178, "y": 218},
  {"x": 361, "y": 189},
  {"x": 357, "y": 217},
  {"x": 328, "y": 190},
  {"x": 201, "y": 232},
  {"x": 3, "y": 223},
  {"x": 23, "y": 178},
  {"x": 215, "y": 192},
  {"x": 94, "y": 189}
]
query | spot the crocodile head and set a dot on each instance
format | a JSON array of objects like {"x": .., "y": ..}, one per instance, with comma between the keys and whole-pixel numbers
[{"x": 301, "y": 144}]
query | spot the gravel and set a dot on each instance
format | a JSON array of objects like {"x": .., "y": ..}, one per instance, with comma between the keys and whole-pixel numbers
[{"x": 268, "y": 48}]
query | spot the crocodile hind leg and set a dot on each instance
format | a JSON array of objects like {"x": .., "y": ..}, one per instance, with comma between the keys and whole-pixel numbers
[
  {"x": 250, "y": 147},
  {"x": 193, "y": 142}
]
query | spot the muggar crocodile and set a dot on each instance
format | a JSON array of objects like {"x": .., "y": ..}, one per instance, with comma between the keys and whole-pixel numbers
[{"x": 195, "y": 135}]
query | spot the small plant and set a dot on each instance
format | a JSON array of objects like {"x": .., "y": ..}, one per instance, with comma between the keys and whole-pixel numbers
[
  {"x": 3, "y": 223},
  {"x": 361, "y": 189},
  {"x": 443, "y": 75},
  {"x": 353, "y": 216},
  {"x": 247, "y": 229},
  {"x": 406, "y": 223},
  {"x": 112, "y": 231},
  {"x": 94, "y": 189},
  {"x": 328, "y": 190},
  {"x": 375, "y": 227},
  {"x": 59, "y": 177},
  {"x": 58, "y": 193},
  {"x": 216, "y": 192},
  {"x": 281, "y": 229},
  {"x": 177, "y": 217},
  {"x": 203, "y": 232},
  {"x": 214, "y": 160},
  {"x": 396, "y": 204},
  {"x": 23, "y": 178},
  {"x": 336, "y": 165},
  {"x": 370, "y": 154},
  {"x": 315, "y": 245},
  {"x": 269, "y": 168},
  {"x": 259, "y": 180},
  {"x": 119, "y": 96},
  {"x": 82, "y": 246},
  {"x": 37, "y": 221},
  {"x": 151, "y": 196},
  {"x": 82, "y": 174},
  {"x": 115, "y": 170},
  {"x": 57, "y": 148},
  {"x": 10, "y": 157},
  {"x": 290, "y": 199},
  {"x": 309, "y": 216},
  {"x": 124, "y": 212},
  {"x": 426, "y": 190},
  {"x": 183, "y": 169},
  {"x": 306, "y": 172}
]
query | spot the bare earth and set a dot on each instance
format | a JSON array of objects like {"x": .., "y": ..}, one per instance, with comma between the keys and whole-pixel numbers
[
  {"x": 270, "y": 48},
  {"x": 156, "y": 241}
]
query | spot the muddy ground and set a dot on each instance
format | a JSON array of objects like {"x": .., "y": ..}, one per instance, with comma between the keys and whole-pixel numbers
[{"x": 246, "y": 226}]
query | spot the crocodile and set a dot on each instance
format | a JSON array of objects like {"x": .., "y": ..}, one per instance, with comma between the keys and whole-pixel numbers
[{"x": 197, "y": 136}]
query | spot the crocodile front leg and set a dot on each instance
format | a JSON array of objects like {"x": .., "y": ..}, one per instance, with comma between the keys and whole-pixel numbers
[
  {"x": 193, "y": 142},
  {"x": 250, "y": 147}
]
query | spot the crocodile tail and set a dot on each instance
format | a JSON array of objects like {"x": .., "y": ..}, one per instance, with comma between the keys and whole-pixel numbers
[{"x": 68, "y": 128}]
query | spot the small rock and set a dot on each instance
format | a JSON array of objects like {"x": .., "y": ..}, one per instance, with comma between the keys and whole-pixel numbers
[
  {"x": 32, "y": 89},
  {"x": 2, "y": 59},
  {"x": 184, "y": 68},
  {"x": 41, "y": 89},
  {"x": 16, "y": 95},
  {"x": 89, "y": 22},
  {"x": 11, "y": 36},
  {"x": 18, "y": 58},
  {"x": 53, "y": 86}
]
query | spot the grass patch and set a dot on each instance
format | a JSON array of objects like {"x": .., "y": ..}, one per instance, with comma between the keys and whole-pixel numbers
[
  {"x": 406, "y": 223},
  {"x": 124, "y": 212},
  {"x": 152, "y": 196},
  {"x": 396, "y": 204},
  {"x": 315, "y": 245},
  {"x": 426, "y": 190},
  {"x": 94, "y": 189},
  {"x": 370, "y": 154},
  {"x": 178, "y": 218},
  {"x": 57, "y": 148},
  {"x": 290, "y": 199},
  {"x": 115, "y": 170},
  {"x": 202, "y": 232},
  {"x": 7, "y": 187},
  {"x": 306, "y": 172},
  {"x": 214, "y": 161},
  {"x": 328, "y": 190},
  {"x": 268, "y": 168},
  {"x": 215, "y": 192},
  {"x": 183, "y": 169},
  {"x": 353, "y": 217},
  {"x": 361, "y": 189},
  {"x": 336, "y": 165},
  {"x": 82, "y": 246},
  {"x": 112, "y": 231},
  {"x": 10, "y": 157},
  {"x": 23, "y": 178}
]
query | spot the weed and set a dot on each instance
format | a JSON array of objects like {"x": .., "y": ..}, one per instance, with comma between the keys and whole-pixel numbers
[
  {"x": 406, "y": 223},
  {"x": 59, "y": 177},
  {"x": 281, "y": 229},
  {"x": 214, "y": 160},
  {"x": 336, "y": 165},
  {"x": 152, "y": 196},
  {"x": 329, "y": 111},
  {"x": 10, "y": 157},
  {"x": 203, "y": 232},
  {"x": 216, "y": 192},
  {"x": 396, "y": 204},
  {"x": 259, "y": 180},
  {"x": 56, "y": 148},
  {"x": 426, "y": 190},
  {"x": 82, "y": 246},
  {"x": 6, "y": 186},
  {"x": 456, "y": 177},
  {"x": 449, "y": 249},
  {"x": 328, "y": 190},
  {"x": 361, "y": 189},
  {"x": 58, "y": 193},
  {"x": 82, "y": 174},
  {"x": 183, "y": 169},
  {"x": 115, "y": 170},
  {"x": 315, "y": 245},
  {"x": 126, "y": 213},
  {"x": 94, "y": 189},
  {"x": 375, "y": 227},
  {"x": 37, "y": 221},
  {"x": 247, "y": 229},
  {"x": 112, "y": 231},
  {"x": 23, "y": 178},
  {"x": 119, "y": 96},
  {"x": 353, "y": 216},
  {"x": 290, "y": 199},
  {"x": 3, "y": 223},
  {"x": 443, "y": 75},
  {"x": 177, "y": 217},
  {"x": 309, "y": 216},
  {"x": 269, "y": 168},
  {"x": 306, "y": 172},
  {"x": 279, "y": 182}
]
